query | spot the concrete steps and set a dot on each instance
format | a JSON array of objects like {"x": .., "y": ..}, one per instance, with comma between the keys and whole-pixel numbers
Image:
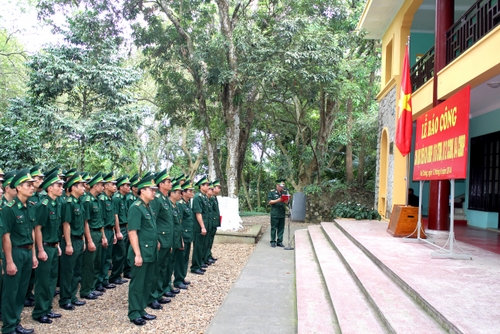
[{"x": 366, "y": 298}]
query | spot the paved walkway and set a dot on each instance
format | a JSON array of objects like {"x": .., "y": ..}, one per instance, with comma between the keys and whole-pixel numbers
[{"x": 262, "y": 300}]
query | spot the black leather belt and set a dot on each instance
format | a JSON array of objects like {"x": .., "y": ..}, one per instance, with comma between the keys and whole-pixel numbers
[
  {"x": 29, "y": 247},
  {"x": 109, "y": 227},
  {"x": 77, "y": 237},
  {"x": 95, "y": 229},
  {"x": 123, "y": 224},
  {"x": 51, "y": 244}
]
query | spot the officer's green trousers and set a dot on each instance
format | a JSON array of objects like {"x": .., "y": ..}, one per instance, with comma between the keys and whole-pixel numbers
[
  {"x": 106, "y": 258},
  {"x": 15, "y": 287},
  {"x": 277, "y": 229},
  {"x": 119, "y": 254},
  {"x": 71, "y": 270},
  {"x": 199, "y": 250},
  {"x": 181, "y": 263},
  {"x": 139, "y": 289},
  {"x": 91, "y": 262},
  {"x": 45, "y": 282},
  {"x": 159, "y": 275}
]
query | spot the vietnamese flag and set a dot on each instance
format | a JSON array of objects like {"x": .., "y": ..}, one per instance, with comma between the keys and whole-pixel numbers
[{"x": 404, "y": 126}]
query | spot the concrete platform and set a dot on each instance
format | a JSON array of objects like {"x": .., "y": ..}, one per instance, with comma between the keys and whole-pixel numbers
[
  {"x": 464, "y": 293},
  {"x": 231, "y": 237}
]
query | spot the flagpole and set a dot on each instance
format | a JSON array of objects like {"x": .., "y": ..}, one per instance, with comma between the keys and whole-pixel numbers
[{"x": 408, "y": 155}]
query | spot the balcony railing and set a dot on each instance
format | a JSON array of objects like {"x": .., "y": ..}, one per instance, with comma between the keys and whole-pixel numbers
[
  {"x": 478, "y": 21},
  {"x": 423, "y": 70}
]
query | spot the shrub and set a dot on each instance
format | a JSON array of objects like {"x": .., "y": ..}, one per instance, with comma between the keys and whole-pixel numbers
[{"x": 354, "y": 210}]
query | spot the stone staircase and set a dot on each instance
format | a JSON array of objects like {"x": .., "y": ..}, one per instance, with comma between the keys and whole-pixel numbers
[{"x": 343, "y": 288}]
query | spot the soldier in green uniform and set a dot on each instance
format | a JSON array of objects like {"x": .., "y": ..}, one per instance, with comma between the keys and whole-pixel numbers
[
  {"x": 130, "y": 198},
  {"x": 202, "y": 214},
  {"x": 210, "y": 226},
  {"x": 9, "y": 192},
  {"x": 1, "y": 232},
  {"x": 162, "y": 211},
  {"x": 109, "y": 218},
  {"x": 20, "y": 258},
  {"x": 73, "y": 243},
  {"x": 121, "y": 210},
  {"x": 143, "y": 251},
  {"x": 47, "y": 231},
  {"x": 182, "y": 257},
  {"x": 215, "y": 221},
  {"x": 178, "y": 245},
  {"x": 38, "y": 195},
  {"x": 277, "y": 213},
  {"x": 95, "y": 238}
]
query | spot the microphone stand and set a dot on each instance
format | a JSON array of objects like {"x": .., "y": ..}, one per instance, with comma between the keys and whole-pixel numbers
[{"x": 289, "y": 247}]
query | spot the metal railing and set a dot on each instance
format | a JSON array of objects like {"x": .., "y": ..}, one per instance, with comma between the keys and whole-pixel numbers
[
  {"x": 477, "y": 22},
  {"x": 423, "y": 70}
]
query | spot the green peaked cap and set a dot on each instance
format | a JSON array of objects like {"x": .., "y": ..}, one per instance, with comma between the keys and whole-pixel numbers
[
  {"x": 122, "y": 180},
  {"x": 8, "y": 178},
  {"x": 202, "y": 180},
  {"x": 96, "y": 179},
  {"x": 109, "y": 178},
  {"x": 161, "y": 176},
  {"x": 76, "y": 178},
  {"x": 147, "y": 181},
  {"x": 176, "y": 186},
  {"x": 187, "y": 185},
  {"x": 70, "y": 173},
  {"x": 22, "y": 176},
  {"x": 51, "y": 179},
  {"x": 36, "y": 171}
]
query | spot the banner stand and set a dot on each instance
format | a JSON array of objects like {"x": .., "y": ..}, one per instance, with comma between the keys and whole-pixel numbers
[
  {"x": 449, "y": 253},
  {"x": 289, "y": 246},
  {"x": 443, "y": 252}
]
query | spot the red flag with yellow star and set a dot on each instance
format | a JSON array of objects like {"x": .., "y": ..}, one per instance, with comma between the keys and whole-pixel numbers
[{"x": 404, "y": 126}]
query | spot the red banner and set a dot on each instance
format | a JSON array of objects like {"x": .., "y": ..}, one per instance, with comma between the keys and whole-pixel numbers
[{"x": 442, "y": 139}]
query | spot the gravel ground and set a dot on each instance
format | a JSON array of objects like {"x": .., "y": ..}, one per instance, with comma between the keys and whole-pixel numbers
[{"x": 189, "y": 312}]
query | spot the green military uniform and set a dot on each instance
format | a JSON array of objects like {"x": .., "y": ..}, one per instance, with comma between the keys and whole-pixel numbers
[
  {"x": 130, "y": 198},
  {"x": 142, "y": 220},
  {"x": 108, "y": 214},
  {"x": 200, "y": 205},
  {"x": 73, "y": 213},
  {"x": 162, "y": 210},
  {"x": 48, "y": 216},
  {"x": 18, "y": 220},
  {"x": 177, "y": 240},
  {"x": 188, "y": 221},
  {"x": 215, "y": 222},
  {"x": 91, "y": 263},
  {"x": 119, "y": 250},
  {"x": 278, "y": 211}
]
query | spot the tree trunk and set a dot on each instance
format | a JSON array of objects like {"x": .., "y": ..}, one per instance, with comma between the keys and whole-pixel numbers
[
  {"x": 348, "y": 150},
  {"x": 245, "y": 190}
]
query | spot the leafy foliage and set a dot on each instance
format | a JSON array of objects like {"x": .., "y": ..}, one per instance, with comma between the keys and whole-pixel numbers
[{"x": 354, "y": 210}]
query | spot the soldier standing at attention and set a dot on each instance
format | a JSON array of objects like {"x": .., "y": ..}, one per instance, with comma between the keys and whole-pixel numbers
[
  {"x": 121, "y": 210},
  {"x": 202, "y": 215},
  {"x": 277, "y": 213},
  {"x": 20, "y": 257},
  {"x": 216, "y": 219},
  {"x": 162, "y": 211},
  {"x": 95, "y": 237},
  {"x": 73, "y": 243},
  {"x": 130, "y": 198},
  {"x": 187, "y": 218},
  {"x": 47, "y": 230},
  {"x": 109, "y": 218},
  {"x": 210, "y": 227},
  {"x": 178, "y": 245},
  {"x": 143, "y": 251},
  {"x": 1, "y": 232}
]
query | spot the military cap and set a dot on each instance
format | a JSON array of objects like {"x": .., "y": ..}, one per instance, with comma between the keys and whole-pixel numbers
[
  {"x": 8, "y": 178},
  {"x": 96, "y": 179},
  {"x": 216, "y": 183},
  {"x": 50, "y": 179},
  {"x": 187, "y": 185},
  {"x": 181, "y": 177},
  {"x": 56, "y": 169},
  {"x": 281, "y": 182},
  {"x": 76, "y": 178},
  {"x": 147, "y": 181},
  {"x": 162, "y": 176},
  {"x": 134, "y": 179},
  {"x": 86, "y": 176},
  {"x": 109, "y": 178},
  {"x": 176, "y": 186},
  {"x": 36, "y": 171},
  {"x": 202, "y": 180},
  {"x": 70, "y": 173},
  {"x": 122, "y": 180},
  {"x": 22, "y": 176},
  {"x": 147, "y": 174}
]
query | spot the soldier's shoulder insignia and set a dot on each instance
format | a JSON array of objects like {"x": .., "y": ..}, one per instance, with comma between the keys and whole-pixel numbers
[
  {"x": 19, "y": 205},
  {"x": 137, "y": 203},
  {"x": 68, "y": 200},
  {"x": 45, "y": 202},
  {"x": 87, "y": 199},
  {"x": 102, "y": 198},
  {"x": 11, "y": 203},
  {"x": 157, "y": 195}
]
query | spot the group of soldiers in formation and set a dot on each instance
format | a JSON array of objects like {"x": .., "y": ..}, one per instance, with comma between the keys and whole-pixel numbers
[{"x": 65, "y": 228}]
